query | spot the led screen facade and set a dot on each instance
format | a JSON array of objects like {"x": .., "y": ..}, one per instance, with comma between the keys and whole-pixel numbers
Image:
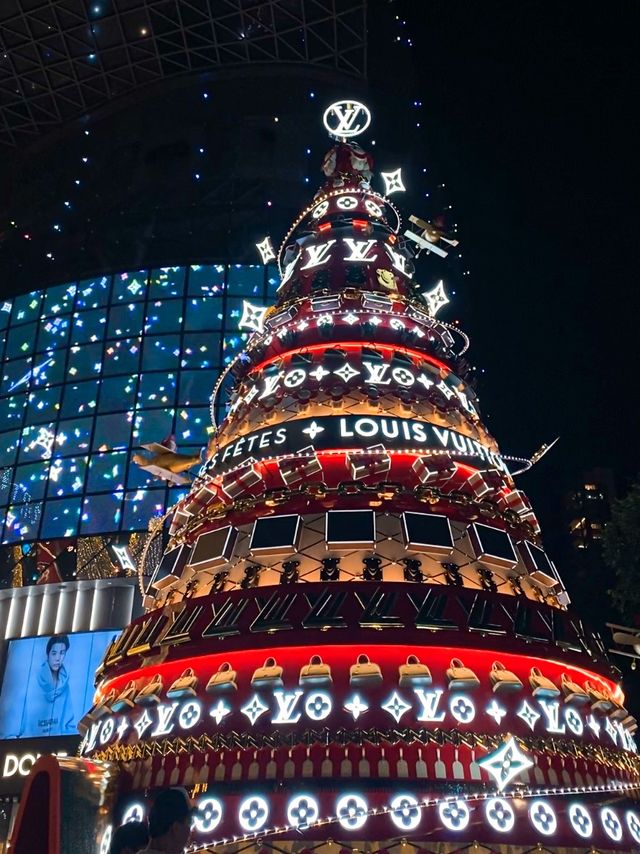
[
  {"x": 48, "y": 683},
  {"x": 93, "y": 369}
]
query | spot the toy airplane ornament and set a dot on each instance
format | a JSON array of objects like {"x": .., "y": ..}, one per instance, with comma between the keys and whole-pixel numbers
[
  {"x": 429, "y": 236},
  {"x": 542, "y": 450},
  {"x": 625, "y": 636},
  {"x": 165, "y": 463}
]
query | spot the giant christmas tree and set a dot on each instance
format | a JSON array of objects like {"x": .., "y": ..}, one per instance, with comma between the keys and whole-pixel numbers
[{"x": 355, "y": 639}]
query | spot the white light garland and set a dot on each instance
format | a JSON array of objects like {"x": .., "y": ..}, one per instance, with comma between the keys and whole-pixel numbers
[{"x": 488, "y": 798}]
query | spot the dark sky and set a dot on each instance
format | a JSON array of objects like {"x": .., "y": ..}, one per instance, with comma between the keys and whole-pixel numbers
[{"x": 529, "y": 114}]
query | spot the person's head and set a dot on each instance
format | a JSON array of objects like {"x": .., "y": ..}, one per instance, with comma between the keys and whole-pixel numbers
[
  {"x": 129, "y": 838},
  {"x": 170, "y": 819},
  {"x": 57, "y": 647}
]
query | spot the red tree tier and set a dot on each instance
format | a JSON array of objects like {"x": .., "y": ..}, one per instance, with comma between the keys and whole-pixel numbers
[{"x": 355, "y": 639}]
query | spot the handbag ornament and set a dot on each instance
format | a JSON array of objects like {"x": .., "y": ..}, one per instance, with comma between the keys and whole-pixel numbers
[
  {"x": 461, "y": 677},
  {"x": 364, "y": 671},
  {"x": 269, "y": 675},
  {"x": 572, "y": 691},
  {"x": 503, "y": 680},
  {"x": 413, "y": 673},
  {"x": 185, "y": 686},
  {"x": 150, "y": 694},
  {"x": 224, "y": 679},
  {"x": 542, "y": 686},
  {"x": 126, "y": 699},
  {"x": 315, "y": 673}
]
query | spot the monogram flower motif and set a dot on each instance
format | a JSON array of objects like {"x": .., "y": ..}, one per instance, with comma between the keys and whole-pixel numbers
[
  {"x": 405, "y": 812},
  {"x": 633, "y": 823},
  {"x": 454, "y": 814},
  {"x": 463, "y": 710},
  {"x": 543, "y": 817},
  {"x": 302, "y": 811},
  {"x": 253, "y": 813},
  {"x": 189, "y": 714},
  {"x": 580, "y": 820},
  {"x": 500, "y": 815},
  {"x": 208, "y": 816},
  {"x": 611, "y": 824},
  {"x": 351, "y": 811}
]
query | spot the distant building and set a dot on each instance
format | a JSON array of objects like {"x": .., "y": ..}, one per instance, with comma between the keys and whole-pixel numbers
[{"x": 589, "y": 507}]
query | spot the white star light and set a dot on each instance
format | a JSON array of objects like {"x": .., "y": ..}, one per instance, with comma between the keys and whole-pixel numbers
[
  {"x": 611, "y": 731},
  {"x": 312, "y": 430},
  {"x": 124, "y": 558},
  {"x": 123, "y": 726},
  {"x": 143, "y": 723},
  {"x": 252, "y": 316},
  {"x": 254, "y": 708},
  {"x": 346, "y": 372},
  {"x": 594, "y": 726},
  {"x": 506, "y": 763},
  {"x": 375, "y": 321},
  {"x": 396, "y": 706},
  {"x": 495, "y": 710},
  {"x": 220, "y": 711},
  {"x": 356, "y": 706},
  {"x": 435, "y": 298},
  {"x": 266, "y": 250},
  {"x": 351, "y": 318},
  {"x": 319, "y": 373},
  {"x": 393, "y": 182},
  {"x": 528, "y": 714}
]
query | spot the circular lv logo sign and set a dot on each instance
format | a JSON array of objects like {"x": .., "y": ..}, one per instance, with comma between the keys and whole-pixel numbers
[{"x": 346, "y": 118}]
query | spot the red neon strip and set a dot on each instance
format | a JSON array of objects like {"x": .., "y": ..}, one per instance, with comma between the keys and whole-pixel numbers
[
  {"x": 356, "y": 345},
  {"x": 389, "y": 656}
]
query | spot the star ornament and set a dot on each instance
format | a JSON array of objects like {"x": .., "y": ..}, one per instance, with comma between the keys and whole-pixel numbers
[
  {"x": 506, "y": 763},
  {"x": 356, "y": 706},
  {"x": 312, "y": 430},
  {"x": 252, "y": 316},
  {"x": 396, "y": 706},
  {"x": 435, "y": 298},
  {"x": 266, "y": 250},
  {"x": 496, "y": 711},
  {"x": 393, "y": 182}
]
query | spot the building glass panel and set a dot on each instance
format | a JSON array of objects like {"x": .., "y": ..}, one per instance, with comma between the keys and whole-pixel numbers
[{"x": 91, "y": 370}]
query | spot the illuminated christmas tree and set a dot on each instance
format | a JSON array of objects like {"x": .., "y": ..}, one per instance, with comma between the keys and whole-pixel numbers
[{"x": 354, "y": 638}]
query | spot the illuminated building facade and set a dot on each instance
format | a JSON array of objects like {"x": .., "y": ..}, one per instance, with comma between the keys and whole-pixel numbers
[
  {"x": 354, "y": 637},
  {"x": 96, "y": 368},
  {"x": 588, "y": 508}
]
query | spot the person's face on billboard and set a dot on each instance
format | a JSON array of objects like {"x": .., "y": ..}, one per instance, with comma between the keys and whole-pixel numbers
[{"x": 56, "y": 656}]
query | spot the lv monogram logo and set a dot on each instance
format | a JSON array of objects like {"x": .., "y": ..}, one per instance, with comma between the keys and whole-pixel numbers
[{"x": 346, "y": 118}]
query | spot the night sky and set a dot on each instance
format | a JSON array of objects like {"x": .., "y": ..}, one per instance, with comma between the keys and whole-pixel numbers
[{"x": 529, "y": 115}]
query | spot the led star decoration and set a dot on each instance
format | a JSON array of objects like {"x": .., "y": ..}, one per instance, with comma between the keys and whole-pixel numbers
[
  {"x": 506, "y": 763},
  {"x": 266, "y": 250},
  {"x": 124, "y": 558},
  {"x": 393, "y": 182},
  {"x": 435, "y": 298},
  {"x": 396, "y": 706},
  {"x": 356, "y": 706},
  {"x": 252, "y": 316},
  {"x": 496, "y": 711},
  {"x": 313, "y": 429},
  {"x": 219, "y": 712}
]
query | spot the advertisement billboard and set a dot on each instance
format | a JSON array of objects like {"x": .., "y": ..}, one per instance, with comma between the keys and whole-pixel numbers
[{"x": 48, "y": 683}]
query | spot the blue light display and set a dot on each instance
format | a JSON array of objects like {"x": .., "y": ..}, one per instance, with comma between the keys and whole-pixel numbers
[{"x": 91, "y": 370}]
